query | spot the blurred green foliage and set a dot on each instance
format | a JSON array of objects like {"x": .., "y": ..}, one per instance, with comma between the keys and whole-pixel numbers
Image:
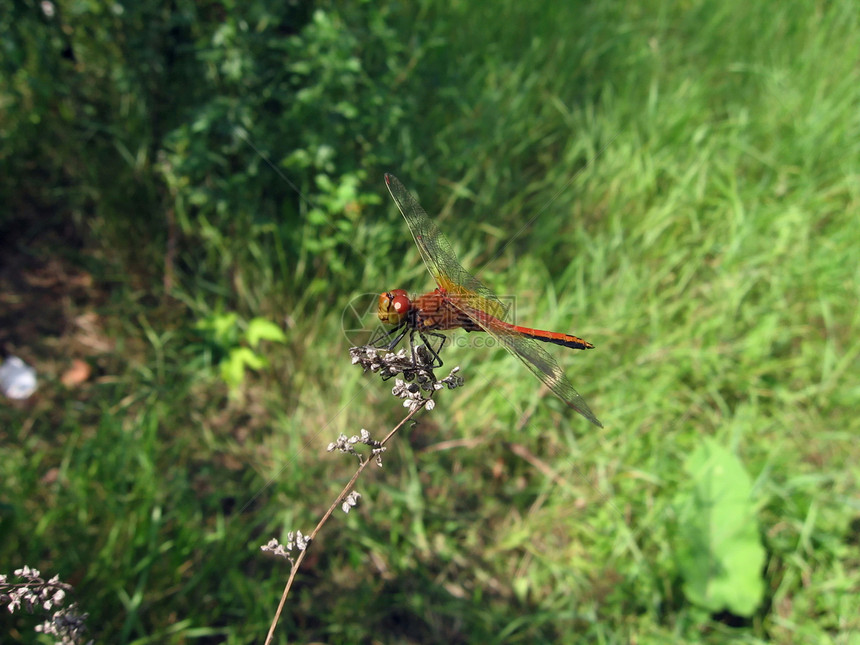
[
  {"x": 232, "y": 343},
  {"x": 718, "y": 543},
  {"x": 675, "y": 182}
]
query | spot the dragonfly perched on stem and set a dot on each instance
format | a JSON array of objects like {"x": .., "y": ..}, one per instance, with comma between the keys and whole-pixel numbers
[{"x": 461, "y": 301}]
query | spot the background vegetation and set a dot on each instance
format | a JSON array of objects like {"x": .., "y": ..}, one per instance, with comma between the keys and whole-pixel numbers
[{"x": 675, "y": 182}]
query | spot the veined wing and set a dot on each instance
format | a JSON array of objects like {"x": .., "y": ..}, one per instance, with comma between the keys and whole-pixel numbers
[
  {"x": 438, "y": 255},
  {"x": 538, "y": 360}
]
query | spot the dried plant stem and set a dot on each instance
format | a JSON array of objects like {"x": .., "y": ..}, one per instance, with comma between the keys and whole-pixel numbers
[{"x": 337, "y": 501}]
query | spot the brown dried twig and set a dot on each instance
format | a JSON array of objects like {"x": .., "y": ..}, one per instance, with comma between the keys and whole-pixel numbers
[{"x": 418, "y": 379}]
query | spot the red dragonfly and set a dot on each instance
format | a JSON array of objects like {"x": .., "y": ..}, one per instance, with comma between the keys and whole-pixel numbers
[{"x": 462, "y": 301}]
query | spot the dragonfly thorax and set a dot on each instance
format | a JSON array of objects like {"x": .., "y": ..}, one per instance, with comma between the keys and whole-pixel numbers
[{"x": 393, "y": 306}]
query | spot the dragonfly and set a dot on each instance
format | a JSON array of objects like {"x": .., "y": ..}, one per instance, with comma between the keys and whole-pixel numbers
[{"x": 461, "y": 301}]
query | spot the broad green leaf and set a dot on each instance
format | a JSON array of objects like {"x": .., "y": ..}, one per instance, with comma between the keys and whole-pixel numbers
[
  {"x": 233, "y": 369},
  {"x": 718, "y": 547},
  {"x": 233, "y": 366},
  {"x": 262, "y": 329},
  {"x": 250, "y": 359}
]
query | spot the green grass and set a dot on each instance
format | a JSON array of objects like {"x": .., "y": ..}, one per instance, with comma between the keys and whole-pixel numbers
[{"x": 679, "y": 184}]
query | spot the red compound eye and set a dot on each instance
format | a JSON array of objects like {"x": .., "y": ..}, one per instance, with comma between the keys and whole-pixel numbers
[{"x": 393, "y": 306}]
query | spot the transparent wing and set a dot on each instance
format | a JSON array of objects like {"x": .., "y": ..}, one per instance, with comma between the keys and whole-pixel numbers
[
  {"x": 472, "y": 297},
  {"x": 439, "y": 256},
  {"x": 532, "y": 354}
]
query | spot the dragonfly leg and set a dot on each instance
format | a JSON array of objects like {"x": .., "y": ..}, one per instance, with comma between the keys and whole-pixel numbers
[
  {"x": 434, "y": 356},
  {"x": 399, "y": 337},
  {"x": 434, "y": 352},
  {"x": 382, "y": 337}
]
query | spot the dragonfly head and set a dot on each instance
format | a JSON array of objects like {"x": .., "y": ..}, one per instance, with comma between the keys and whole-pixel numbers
[{"x": 393, "y": 306}]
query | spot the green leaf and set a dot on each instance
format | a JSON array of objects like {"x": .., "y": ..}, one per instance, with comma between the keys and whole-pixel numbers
[
  {"x": 262, "y": 329},
  {"x": 233, "y": 366},
  {"x": 220, "y": 329},
  {"x": 718, "y": 548},
  {"x": 251, "y": 360},
  {"x": 521, "y": 588},
  {"x": 233, "y": 369}
]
